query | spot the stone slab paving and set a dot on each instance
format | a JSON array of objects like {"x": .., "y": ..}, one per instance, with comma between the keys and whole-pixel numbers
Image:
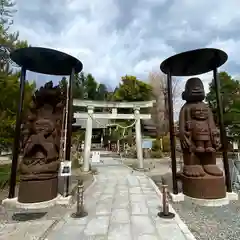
[
  {"x": 121, "y": 205},
  {"x": 32, "y": 230}
]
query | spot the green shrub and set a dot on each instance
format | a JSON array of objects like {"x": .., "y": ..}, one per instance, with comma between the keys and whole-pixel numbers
[
  {"x": 131, "y": 152},
  {"x": 75, "y": 160},
  {"x": 129, "y": 139},
  {"x": 166, "y": 143},
  {"x": 156, "y": 154},
  {"x": 156, "y": 145},
  {"x": 5, "y": 172}
]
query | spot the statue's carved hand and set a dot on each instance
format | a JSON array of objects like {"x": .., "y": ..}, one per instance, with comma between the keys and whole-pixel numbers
[
  {"x": 187, "y": 134},
  {"x": 215, "y": 133},
  {"x": 184, "y": 140},
  {"x": 216, "y": 139},
  {"x": 219, "y": 147},
  {"x": 217, "y": 144}
]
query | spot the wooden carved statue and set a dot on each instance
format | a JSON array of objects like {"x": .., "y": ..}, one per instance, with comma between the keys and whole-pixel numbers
[
  {"x": 41, "y": 142},
  {"x": 199, "y": 139}
]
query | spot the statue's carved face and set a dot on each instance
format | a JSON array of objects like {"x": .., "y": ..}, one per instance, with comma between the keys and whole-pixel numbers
[
  {"x": 43, "y": 126},
  {"x": 194, "y": 90},
  {"x": 199, "y": 112}
]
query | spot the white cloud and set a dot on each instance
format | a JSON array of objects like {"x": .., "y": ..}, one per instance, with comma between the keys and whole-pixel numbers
[
  {"x": 230, "y": 46},
  {"x": 117, "y": 37}
]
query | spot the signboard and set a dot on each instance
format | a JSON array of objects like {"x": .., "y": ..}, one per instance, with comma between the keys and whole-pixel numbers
[
  {"x": 65, "y": 169},
  {"x": 95, "y": 157},
  {"x": 147, "y": 144},
  {"x": 235, "y": 145}
]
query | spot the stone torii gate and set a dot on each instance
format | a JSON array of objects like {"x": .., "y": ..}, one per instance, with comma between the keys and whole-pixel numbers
[{"x": 90, "y": 116}]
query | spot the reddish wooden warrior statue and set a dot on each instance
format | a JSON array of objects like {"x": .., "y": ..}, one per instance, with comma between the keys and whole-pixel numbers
[
  {"x": 199, "y": 139},
  {"x": 41, "y": 141}
]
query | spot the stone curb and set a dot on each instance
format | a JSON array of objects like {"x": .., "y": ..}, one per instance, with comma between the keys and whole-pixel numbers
[{"x": 184, "y": 228}]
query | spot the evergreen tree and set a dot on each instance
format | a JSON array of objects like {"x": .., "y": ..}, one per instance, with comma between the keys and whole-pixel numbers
[
  {"x": 230, "y": 97},
  {"x": 9, "y": 78}
]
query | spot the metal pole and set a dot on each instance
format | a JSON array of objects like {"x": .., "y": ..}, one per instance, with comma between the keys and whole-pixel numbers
[
  {"x": 62, "y": 151},
  {"x": 65, "y": 126},
  {"x": 172, "y": 133},
  {"x": 15, "y": 150},
  {"x": 78, "y": 196},
  {"x": 69, "y": 125},
  {"x": 66, "y": 181},
  {"x": 81, "y": 209},
  {"x": 222, "y": 131},
  {"x": 80, "y": 213},
  {"x": 165, "y": 213},
  {"x": 165, "y": 203}
]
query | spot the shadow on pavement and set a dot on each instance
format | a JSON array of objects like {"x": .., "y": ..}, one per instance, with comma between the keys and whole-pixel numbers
[{"x": 22, "y": 217}]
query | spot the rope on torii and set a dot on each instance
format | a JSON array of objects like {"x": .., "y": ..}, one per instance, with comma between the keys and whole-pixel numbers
[{"x": 114, "y": 124}]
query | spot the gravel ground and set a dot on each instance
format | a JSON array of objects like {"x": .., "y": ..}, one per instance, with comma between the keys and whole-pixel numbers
[{"x": 211, "y": 223}]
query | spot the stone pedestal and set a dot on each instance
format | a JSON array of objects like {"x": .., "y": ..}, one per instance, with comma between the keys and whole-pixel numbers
[
  {"x": 207, "y": 187},
  {"x": 59, "y": 200},
  {"x": 35, "y": 191}
]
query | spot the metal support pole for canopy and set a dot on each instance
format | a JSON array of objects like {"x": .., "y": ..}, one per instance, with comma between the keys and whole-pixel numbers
[
  {"x": 172, "y": 133},
  {"x": 15, "y": 151},
  {"x": 222, "y": 131},
  {"x": 69, "y": 125}
]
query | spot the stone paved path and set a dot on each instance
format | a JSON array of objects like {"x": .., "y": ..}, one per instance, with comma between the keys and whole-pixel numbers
[{"x": 121, "y": 206}]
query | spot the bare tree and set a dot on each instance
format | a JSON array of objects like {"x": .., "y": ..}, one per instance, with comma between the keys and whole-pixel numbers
[{"x": 159, "y": 112}]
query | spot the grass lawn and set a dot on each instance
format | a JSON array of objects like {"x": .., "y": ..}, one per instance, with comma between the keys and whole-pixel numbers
[{"x": 5, "y": 171}]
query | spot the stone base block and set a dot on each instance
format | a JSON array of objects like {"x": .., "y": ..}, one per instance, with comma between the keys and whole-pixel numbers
[
  {"x": 209, "y": 202},
  {"x": 207, "y": 187},
  {"x": 59, "y": 200},
  {"x": 34, "y": 191},
  {"x": 232, "y": 196},
  {"x": 177, "y": 197},
  {"x": 64, "y": 200},
  {"x": 13, "y": 202}
]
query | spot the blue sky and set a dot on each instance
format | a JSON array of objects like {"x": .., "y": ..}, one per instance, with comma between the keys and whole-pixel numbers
[{"x": 117, "y": 37}]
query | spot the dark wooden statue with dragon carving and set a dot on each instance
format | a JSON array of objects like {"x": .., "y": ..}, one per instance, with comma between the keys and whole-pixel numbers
[
  {"x": 41, "y": 141},
  {"x": 201, "y": 177}
]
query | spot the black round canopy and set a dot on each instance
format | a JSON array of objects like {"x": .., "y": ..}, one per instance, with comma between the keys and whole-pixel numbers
[
  {"x": 46, "y": 61},
  {"x": 194, "y": 62}
]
